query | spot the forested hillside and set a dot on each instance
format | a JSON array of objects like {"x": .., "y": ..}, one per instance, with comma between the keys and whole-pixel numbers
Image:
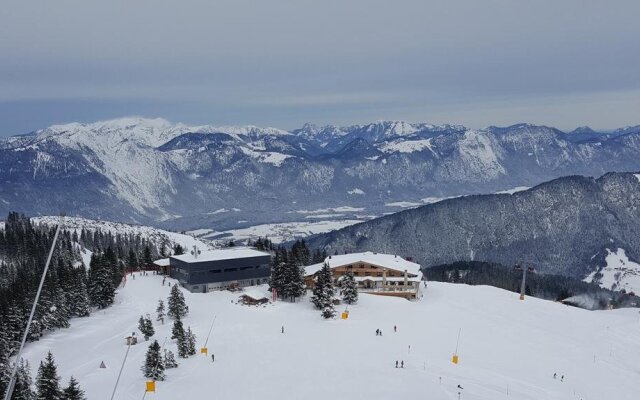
[{"x": 565, "y": 226}]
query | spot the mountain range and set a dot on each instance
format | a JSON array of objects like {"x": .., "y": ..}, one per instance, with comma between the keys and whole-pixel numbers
[
  {"x": 567, "y": 226},
  {"x": 173, "y": 175}
]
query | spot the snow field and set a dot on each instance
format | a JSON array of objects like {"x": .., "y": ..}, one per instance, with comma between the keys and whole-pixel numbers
[{"x": 506, "y": 344}]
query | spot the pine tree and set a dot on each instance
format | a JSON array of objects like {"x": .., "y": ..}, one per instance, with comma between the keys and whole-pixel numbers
[
  {"x": 169, "y": 360},
  {"x": 153, "y": 367},
  {"x": 324, "y": 279},
  {"x": 177, "y": 331},
  {"x": 187, "y": 344},
  {"x": 349, "y": 290},
  {"x": 177, "y": 307},
  {"x": 48, "y": 381},
  {"x": 149, "y": 326},
  {"x": 132, "y": 260},
  {"x": 294, "y": 285},
  {"x": 160, "y": 312},
  {"x": 277, "y": 279},
  {"x": 324, "y": 291},
  {"x": 328, "y": 311},
  {"x": 78, "y": 296},
  {"x": 178, "y": 250},
  {"x": 146, "y": 257},
  {"x": 22, "y": 389},
  {"x": 73, "y": 391},
  {"x": 146, "y": 327},
  {"x": 101, "y": 289}
]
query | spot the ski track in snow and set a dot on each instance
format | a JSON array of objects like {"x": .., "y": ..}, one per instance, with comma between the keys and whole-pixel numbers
[{"x": 506, "y": 344}]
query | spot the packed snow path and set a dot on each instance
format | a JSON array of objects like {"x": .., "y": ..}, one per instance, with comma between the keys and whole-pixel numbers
[{"x": 508, "y": 349}]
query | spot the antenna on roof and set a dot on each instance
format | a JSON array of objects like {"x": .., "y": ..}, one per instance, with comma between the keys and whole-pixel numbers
[{"x": 195, "y": 251}]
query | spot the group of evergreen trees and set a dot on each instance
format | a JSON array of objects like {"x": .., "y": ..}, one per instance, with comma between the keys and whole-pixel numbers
[
  {"x": 47, "y": 383},
  {"x": 287, "y": 275},
  {"x": 69, "y": 289},
  {"x": 155, "y": 361}
]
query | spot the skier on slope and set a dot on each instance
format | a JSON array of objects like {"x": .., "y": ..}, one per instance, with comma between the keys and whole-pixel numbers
[
  {"x": 396, "y": 363},
  {"x": 395, "y": 328}
]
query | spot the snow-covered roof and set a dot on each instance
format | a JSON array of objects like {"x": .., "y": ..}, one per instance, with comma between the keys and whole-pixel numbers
[
  {"x": 163, "y": 262},
  {"x": 383, "y": 260},
  {"x": 222, "y": 254}
]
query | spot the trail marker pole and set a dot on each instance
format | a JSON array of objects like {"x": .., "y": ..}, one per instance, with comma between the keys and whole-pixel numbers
[
  {"x": 524, "y": 278},
  {"x": 12, "y": 381},
  {"x": 455, "y": 354}
]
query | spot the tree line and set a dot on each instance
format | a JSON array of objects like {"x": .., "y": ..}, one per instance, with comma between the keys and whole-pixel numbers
[
  {"x": 70, "y": 289},
  {"x": 545, "y": 286}
]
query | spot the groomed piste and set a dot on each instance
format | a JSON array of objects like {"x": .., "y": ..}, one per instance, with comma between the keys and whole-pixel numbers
[{"x": 508, "y": 349}]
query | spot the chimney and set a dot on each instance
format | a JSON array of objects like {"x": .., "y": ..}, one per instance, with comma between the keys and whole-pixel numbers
[{"x": 406, "y": 279}]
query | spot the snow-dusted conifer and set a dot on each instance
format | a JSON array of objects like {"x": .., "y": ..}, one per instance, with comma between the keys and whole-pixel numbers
[
  {"x": 22, "y": 389},
  {"x": 160, "y": 312},
  {"x": 177, "y": 307},
  {"x": 294, "y": 286},
  {"x": 146, "y": 327},
  {"x": 349, "y": 290},
  {"x": 153, "y": 367},
  {"x": 101, "y": 288},
  {"x": 187, "y": 344},
  {"x": 169, "y": 360},
  {"x": 73, "y": 391},
  {"x": 177, "y": 331},
  {"x": 48, "y": 381}
]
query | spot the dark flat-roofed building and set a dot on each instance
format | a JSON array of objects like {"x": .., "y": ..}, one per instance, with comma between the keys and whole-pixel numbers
[{"x": 221, "y": 269}]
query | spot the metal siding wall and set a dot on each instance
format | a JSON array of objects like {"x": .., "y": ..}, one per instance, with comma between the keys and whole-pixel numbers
[{"x": 199, "y": 272}]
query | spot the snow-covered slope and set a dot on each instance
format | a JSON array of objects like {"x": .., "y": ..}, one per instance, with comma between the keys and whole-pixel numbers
[
  {"x": 508, "y": 348},
  {"x": 619, "y": 273},
  {"x": 155, "y": 235}
]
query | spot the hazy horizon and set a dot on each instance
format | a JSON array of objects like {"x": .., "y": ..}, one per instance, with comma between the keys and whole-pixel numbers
[{"x": 499, "y": 62}]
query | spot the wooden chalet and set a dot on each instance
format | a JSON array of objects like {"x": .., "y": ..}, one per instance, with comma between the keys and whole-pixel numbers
[{"x": 375, "y": 273}]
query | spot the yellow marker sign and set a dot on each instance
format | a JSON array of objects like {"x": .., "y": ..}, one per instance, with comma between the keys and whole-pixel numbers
[
  {"x": 204, "y": 351},
  {"x": 345, "y": 315},
  {"x": 151, "y": 386},
  {"x": 455, "y": 359}
]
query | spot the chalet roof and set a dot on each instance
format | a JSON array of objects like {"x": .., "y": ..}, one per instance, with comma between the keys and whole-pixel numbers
[
  {"x": 163, "y": 262},
  {"x": 221, "y": 254},
  {"x": 383, "y": 260}
]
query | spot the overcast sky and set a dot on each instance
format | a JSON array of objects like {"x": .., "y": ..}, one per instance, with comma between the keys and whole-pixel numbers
[{"x": 564, "y": 63}]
